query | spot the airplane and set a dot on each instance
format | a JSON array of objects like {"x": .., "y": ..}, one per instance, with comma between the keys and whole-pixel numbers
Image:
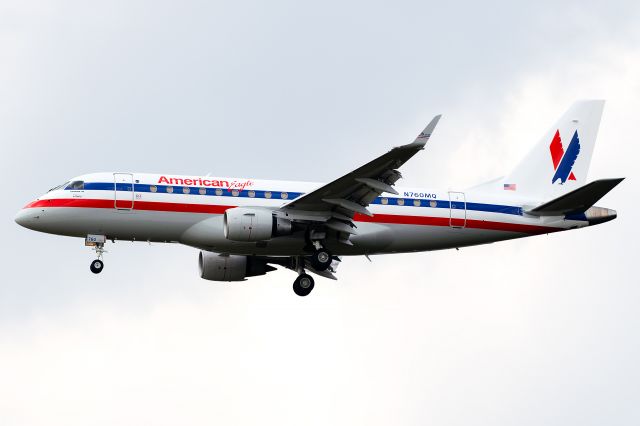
[{"x": 245, "y": 226}]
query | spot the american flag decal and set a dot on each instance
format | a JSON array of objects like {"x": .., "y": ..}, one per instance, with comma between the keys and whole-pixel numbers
[{"x": 509, "y": 186}]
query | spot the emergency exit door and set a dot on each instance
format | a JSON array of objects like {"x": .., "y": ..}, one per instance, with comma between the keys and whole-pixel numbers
[
  {"x": 123, "y": 191},
  {"x": 457, "y": 210}
]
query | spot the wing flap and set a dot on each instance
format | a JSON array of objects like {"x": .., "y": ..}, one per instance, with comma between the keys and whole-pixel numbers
[
  {"x": 339, "y": 226},
  {"x": 348, "y": 205},
  {"x": 377, "y": 185}
]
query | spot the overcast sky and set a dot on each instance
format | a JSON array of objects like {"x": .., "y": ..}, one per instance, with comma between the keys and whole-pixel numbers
[{"x": 536, "y": 331}]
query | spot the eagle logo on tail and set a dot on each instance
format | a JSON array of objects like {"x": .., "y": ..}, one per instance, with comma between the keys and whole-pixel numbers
[{"x": 563, "y": 161}]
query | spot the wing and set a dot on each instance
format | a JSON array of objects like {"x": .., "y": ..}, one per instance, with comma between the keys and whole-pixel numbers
[
  {"x": 568, "y": 160},
  {"x": 337, "y": 202}
]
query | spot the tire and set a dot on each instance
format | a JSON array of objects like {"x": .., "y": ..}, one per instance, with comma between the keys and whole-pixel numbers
[
  {"x": 303, "y": 285},
  {"x": 321, "y": 259},
  {"x": 97, "y": 266}
]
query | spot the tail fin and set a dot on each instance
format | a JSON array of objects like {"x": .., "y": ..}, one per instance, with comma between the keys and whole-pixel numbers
[{"x": 560, "y": 160}]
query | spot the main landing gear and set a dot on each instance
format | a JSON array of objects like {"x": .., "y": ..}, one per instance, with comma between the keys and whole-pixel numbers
[
  {"x": 303, "y": 285},
  {"x": 321, "y": 259}
]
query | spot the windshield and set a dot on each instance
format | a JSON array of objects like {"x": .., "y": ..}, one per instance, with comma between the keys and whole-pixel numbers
[
  {"x": 55, "y": 188},
  {"x": 76, "y": 184}
]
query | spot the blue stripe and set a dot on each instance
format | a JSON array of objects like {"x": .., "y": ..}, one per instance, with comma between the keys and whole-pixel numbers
[
  {"x": 576, "y": 216},
  {"x": 495, "y": 208},
  {"x": 276, "y": 195}
]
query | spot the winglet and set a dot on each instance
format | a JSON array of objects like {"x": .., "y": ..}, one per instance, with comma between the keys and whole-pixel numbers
[{"x": 423, "y": 137}]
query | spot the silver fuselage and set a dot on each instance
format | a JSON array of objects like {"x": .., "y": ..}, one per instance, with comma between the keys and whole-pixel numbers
[{"x": 148, "y": 207}]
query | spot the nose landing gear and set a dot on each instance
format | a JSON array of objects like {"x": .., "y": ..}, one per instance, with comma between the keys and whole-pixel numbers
[{"x": 98, "y": 265}]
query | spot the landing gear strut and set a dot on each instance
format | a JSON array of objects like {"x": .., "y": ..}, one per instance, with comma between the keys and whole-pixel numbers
[
  {"x": 302, "y": 285},
  {"x": 321, "y": 258}
]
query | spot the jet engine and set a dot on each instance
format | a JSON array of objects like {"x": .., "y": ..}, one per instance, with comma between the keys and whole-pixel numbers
[
  {"x": 229, "y": 267},
  {"x": 247, "y": 224}
]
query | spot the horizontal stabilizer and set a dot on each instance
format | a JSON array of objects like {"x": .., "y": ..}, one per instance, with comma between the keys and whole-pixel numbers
[{"x": 578, "y": 200}]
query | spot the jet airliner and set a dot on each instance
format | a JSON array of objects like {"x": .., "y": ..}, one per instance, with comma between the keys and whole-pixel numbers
[{"x": 245, "y": 226}]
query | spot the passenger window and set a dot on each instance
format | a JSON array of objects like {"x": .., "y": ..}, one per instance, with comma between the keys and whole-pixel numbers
[
  {"x": 218, "y": 192},
  {"x": 153, "y": 188},
  {"x": 267, "y": 194},
  {"x": 416, "y": 203},
  {"x": 384, "y": 201},
  {"x": 186, "y": 190},
  {"x": 433, "y": 203},
  {"x": 235, "y": 192},
  {"x": 284, "y": 195},
  {"x": 400, "y": 202},
  {"x": 202, "y": 191},
  {"x": 252, "y": 194},
  {"x": 169, "y": 189},
  {"x": 77, "y": 185}
]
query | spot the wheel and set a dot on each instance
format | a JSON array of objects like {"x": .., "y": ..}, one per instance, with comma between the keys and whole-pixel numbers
[
  {"x": 96, "y": 266},
  {"x": 303, "y": 285},
  {"x": 321, "y": 259}
]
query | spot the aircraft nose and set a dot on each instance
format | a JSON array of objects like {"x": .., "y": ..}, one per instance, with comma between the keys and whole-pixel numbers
[
  {"x": 26, "y": 218},
  {"x": 21, "y": 218}
]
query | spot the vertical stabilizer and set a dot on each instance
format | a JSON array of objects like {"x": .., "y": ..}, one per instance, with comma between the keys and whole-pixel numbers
[{"x": 560, "y": 160}]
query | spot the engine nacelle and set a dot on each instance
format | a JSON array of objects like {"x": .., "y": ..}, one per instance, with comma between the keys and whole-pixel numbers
[
  {"x": 223, "y": 267},
  {"x": 247, "y": 225}
]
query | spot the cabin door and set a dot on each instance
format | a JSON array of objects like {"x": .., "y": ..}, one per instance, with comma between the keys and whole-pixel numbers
[{"x": 123, "y": 191}]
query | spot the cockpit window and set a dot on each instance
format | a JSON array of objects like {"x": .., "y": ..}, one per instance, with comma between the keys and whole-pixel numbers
[
  {"x": 55, "y": 188},
  {"x": 76, "y": 184}
]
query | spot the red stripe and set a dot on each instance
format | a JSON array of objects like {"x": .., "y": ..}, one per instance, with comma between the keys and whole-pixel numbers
[
  {"x": 217, "y": 209},
  {"x": 444, "y": 221},
  {"x": 180, "y": 207},
  {"x": 72, "y": 202},
  {"x": 138, "y": 205}
]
